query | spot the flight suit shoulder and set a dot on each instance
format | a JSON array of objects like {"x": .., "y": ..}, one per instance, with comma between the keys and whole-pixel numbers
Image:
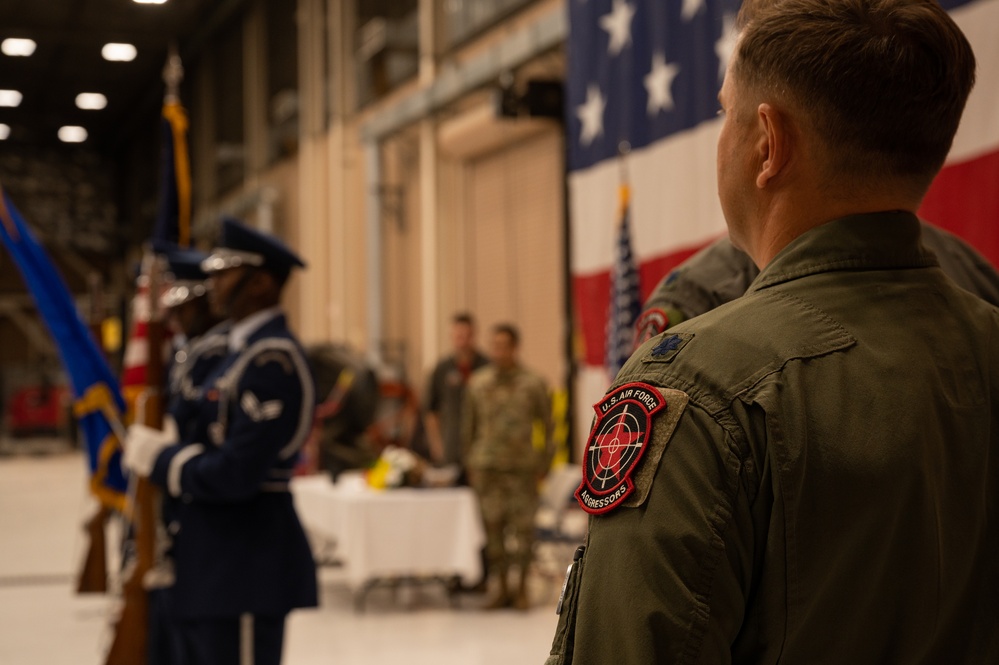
[{"x": 724, "y": 353}]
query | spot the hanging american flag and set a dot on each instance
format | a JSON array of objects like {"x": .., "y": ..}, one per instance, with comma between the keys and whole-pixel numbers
[
  {"x": 648, "y": 72},
  {"x": 625, "y": 295}
]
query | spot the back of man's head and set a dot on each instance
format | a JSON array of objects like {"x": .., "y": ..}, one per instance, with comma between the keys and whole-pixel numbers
[{"x": 883, "y": 82}]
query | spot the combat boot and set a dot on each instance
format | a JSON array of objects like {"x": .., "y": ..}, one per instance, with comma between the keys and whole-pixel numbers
[
  {"x": 521, "y": 600},
  {"x": 501, "y": 598}
]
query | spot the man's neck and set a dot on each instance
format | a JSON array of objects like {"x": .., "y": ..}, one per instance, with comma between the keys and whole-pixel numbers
[{"x": 789, "y": 217}]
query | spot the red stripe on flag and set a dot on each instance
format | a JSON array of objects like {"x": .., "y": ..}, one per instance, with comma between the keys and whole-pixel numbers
[
  {"x": 964, "y": 199},
  {"x": 592, "y": 293}
]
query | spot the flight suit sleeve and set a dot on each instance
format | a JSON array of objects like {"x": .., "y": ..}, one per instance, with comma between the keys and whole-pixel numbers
[
  {"x": 714, "y": 276},
  {"x": 271, "y": 416},
  {"x": 666, "y": 580}
]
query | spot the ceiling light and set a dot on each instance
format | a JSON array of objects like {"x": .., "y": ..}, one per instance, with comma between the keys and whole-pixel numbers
[
  {"x": 72, "y": 134},
  {"x": 91, "y": 101},
  {"x": 118, "y": 52},
  {"x": 150, "y": 2},
  {"x": 15, "y": 47},
  {"x": 10, "y": 98},
  {"x": 4, "y": 131}
]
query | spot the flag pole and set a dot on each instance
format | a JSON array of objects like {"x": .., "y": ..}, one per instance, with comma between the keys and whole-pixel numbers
[
  {"x": 93, "y": 577},
  {"x": 131, "y": 639}
]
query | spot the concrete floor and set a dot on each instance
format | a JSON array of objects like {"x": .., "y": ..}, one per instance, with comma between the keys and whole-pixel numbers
[{"x": 44, "y": 503}]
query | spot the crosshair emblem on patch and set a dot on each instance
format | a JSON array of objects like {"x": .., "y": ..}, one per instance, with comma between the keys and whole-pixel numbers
[{"x": 617, "y": 441}]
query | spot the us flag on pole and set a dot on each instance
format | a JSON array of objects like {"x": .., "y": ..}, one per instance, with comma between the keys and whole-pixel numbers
[
  {"x": 648, "y": 72},
  {"x": 625, "y": 296}
]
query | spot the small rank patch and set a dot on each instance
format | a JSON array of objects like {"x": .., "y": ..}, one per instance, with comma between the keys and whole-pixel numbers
[
  {"x": 616, "y": 444},
  {"x": 668, "y": 346},
  {"x": 652, "y": 322}
]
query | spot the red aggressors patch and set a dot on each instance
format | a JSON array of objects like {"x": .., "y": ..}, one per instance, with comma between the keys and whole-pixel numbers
[
  {"x": 616, "y": 444},
  {"x": 651, "y": 323}
]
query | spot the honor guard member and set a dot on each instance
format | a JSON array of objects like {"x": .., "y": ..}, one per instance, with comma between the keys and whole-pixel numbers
[
  {"x": 720, "y": 273},
  {"x": 241, "y": 556},
  {"x": 808, "y": 473},
  {"x": 199, "y": 335},
  {"x": 198, "y": 344}
]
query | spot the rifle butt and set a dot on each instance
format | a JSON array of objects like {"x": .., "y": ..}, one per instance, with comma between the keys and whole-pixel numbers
[
  {"x": 93, "y": 576},
  {"x": 130, "y": 645}
]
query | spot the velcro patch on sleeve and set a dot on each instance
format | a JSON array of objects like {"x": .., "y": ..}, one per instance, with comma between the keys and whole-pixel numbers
[
  {"x": 663, "y": 427},
  {"x": 668, "y": 346},
  {"x": 650, "y": 324},
  {"x": 621, "y": 439}
]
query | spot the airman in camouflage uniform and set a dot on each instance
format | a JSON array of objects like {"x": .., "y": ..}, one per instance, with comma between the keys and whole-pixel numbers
[{"x": 505, "y": 405}]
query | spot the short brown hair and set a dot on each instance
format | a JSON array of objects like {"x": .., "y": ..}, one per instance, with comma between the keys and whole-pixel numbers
[
  {"x": 509, "y": 330},
  {"x": 463, "y": 318},
  {"x": 884, "y": 82}
]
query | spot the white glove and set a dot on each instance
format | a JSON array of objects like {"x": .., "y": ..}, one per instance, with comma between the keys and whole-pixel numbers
[{"x": 144, "y": 444}]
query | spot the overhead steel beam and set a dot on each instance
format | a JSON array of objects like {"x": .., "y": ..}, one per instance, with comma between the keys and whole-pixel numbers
[{"x": 454, "y": 81}]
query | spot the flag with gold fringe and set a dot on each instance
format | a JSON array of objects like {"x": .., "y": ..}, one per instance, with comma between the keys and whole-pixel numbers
[
  {"x": 98, "y": 403},
  {"x": 173, "y": 218},
  {"x": 173, "y": 226}
]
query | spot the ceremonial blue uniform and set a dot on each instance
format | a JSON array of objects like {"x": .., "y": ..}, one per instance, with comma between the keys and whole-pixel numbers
[
  {"x": 187, "y": 369},
  {"x": 244, "y": 406},
  {"x": 191, "y": 366},
  {"x": 238, "y": 547}
]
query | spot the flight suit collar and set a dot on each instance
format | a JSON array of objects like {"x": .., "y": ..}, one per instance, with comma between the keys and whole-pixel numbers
[{"x": 877, "y": 241}]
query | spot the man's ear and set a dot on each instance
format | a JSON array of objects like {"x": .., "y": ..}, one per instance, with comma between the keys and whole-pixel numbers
[{"x": 774, "y": 144}]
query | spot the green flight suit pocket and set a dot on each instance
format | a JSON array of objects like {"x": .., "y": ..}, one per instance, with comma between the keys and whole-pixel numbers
[{"x": 568, "y": 605}]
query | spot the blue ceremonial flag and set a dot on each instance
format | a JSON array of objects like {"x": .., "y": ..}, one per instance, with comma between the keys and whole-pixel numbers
[
  {"x": 98, "y": 404},
  {"x": 173, "y": 217},
  {"x": 625, "y": 296},
  {"x": 173, "y": 226}
]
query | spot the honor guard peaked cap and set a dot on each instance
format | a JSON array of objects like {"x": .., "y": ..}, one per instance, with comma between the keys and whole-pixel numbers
[
  {"x": 240, "y": 245},
  {"x": 187, "y": 279}
]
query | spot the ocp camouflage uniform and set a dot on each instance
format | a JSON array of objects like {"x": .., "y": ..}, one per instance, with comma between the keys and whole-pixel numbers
[{"x": 501, "y": 413}]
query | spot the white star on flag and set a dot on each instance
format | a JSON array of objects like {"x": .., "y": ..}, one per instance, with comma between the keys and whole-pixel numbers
[
  {"x": 618, "y": 25},
  {"x": 591, "y": 114},
  {"x": 658, "y": 84},
  {"x": 725, "y": 46},
  {"x": 690, "y": 8}
]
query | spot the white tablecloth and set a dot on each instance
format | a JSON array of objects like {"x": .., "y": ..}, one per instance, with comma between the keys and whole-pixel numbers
[{"x": 393, "y": 533}]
